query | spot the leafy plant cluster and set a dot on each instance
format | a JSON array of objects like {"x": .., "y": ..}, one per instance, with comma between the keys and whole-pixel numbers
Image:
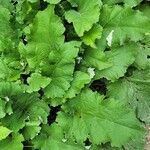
[{"x": 74, "y": 74}]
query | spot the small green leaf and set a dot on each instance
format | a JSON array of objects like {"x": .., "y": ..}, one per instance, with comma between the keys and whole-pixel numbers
[
  {"x": 4, "y": 132},
  {"x": 13, "y": 142},
  {"x": 94, "y": 33},
  {"x": 96, "y": 58},
  {"x": 79, "y": 81},
  {"x": 37, "y": 81},
  {"x": 31, "y": 130}
]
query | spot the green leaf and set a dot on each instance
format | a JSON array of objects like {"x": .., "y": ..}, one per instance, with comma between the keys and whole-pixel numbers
[
  {"x": 52, "y": 137},
  {"x": 4, "y": 132},
  {"x": 135, "y": 91},
  {"x": 9, "y": 61},
  {"x": 52, "y": 52},
  {"x": 9, "y": 89},
  {"x": 2, "y": 108},
  {"x": 5, "y": 29},
  {"x": 37, "y": 81},
  {"x": 13, "y": 143},
  {"x": 94, "y": 33},
  {"x": 90, "y": 116},
  {"x": 45, "y": 35},
  {"x": 79, "y": 81},
  {"x": 52, "y": 1},
  {"x": 87, "y": 14},
  {"x": 96, "y": 58},
  {"x": 134, "y": 144},
  {"x": 33, "y": 1},
  {"x": 5, "y": 72},
  {"x": 26, "y": 108},
  {"x": 145, "y": 9},
  {"x": 125, "y": 24},
  {"x": 131, "y": 3},
  {"x": 141, "y": 60},
  {"x": 61, "y": 72},
  {"x": 6, "y": 4},
  {"x": 26, "y": 11},
  {"x": 5, "y": 107},
  {"x": 121, "y": 58},
  {"x": 47, "y": 28},
  {"x": 10, "y": 70},
  {"x": 51, "y": 56},
  {"x": 31, "y": 130}
]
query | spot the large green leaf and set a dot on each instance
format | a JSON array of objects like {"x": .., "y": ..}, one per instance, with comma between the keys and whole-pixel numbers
[
  {"x": 45, "y": 35},
  {"x": 87, "y": 14},
  {"x": 142, "y": 60},
  {"x": 135, "y": 91},
  {"x": 53, "y": 138},
  {"x": 90, "y": 116},
  {"x": 124, "y": 22},
  {"x": 5, "y": 29},
  {"x": 26, "y": 108},
  {"x": 61, "y": 71},
  {"x": 121, "y": 58}
]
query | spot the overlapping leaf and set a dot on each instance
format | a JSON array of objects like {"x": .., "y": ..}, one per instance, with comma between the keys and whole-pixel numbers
[
  {"x": 50, "y": 53},
  {"x": 14, "y": 142},
  {"x": 95, "y": 58},
  {"x": 94, "y": 33},
  {"x": 121, "y": 58},
  {"x": 80, "y": 79},
  {"x": 26, "y": 108},
  {"x": 56, "y": 60}
]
